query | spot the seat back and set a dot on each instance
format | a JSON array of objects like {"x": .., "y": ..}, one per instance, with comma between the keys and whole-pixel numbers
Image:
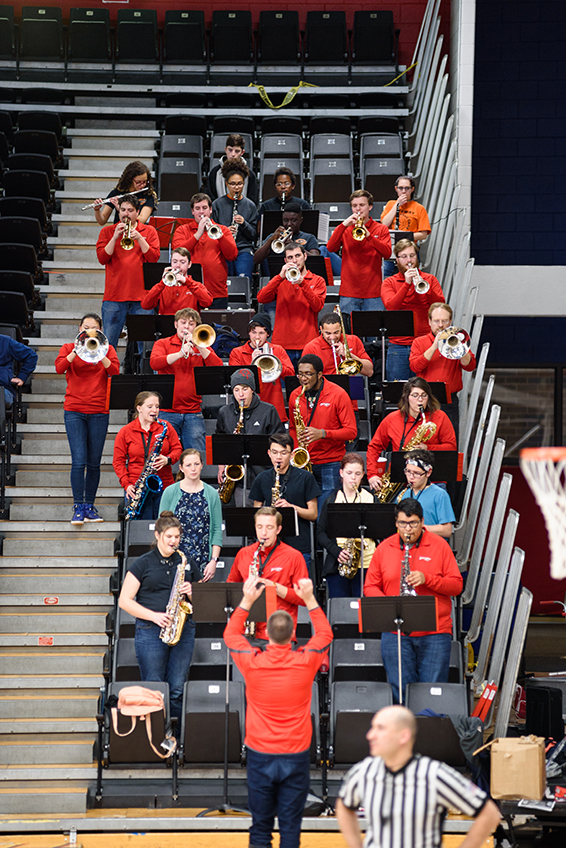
[
  {"x": 179, "y": 179},
  {"x": 356, "y": 660},
  {"x": 276, "y": 145},
  {"x": 326, "y": 38},
  {"x": 331, "y": 179},
  {"x": 184, "y": 36},
  {"x": 202, "y": 727},
  {"x": 27, "y": 207},
  {"x": 373, "y": 38},
  {"x": 36, "y": 141},
  {"x": 218, "y": 143},
  {"x": 7, "y": 33},
  {"x": 326, "y": 146},
  {"x": 18, "y": 257},
  {"x": 182, "y": 145},
  {"x": 379, "y": 176},
  {"x": 18, "y": 281},
  {"x": 343, "y": 617},
  {"x": 44, "y": 121},
  {"x": 209, "y": 659},
  {"x": 21, "y": 230},
  {"x": 136, "y": 35},
  {"x": 125, "y": 662},
  {"x": 185, "y": 125},
  {"x": 135, "y": 747},
  {"x": 450, "y": 698},
  {"x": 231, "y": 36},
  {"x": 352, "y": 707},
  {"x": 279, "y": 38},
  {"x": 381, "y": 145},
  {"x": 270, "y": 166},
  {"x": 7, "y": 126},
  {"x": 14, "y": 309},
  {"x": 32, "y": 162},
  {"x": 89, "y": 35},
  {"x": 41, "y": 33}
]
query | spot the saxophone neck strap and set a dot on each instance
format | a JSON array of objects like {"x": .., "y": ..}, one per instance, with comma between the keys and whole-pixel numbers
[
  {"x": 268, "y": 557},
  {"x": 314, "y": 403},
  {"x": 405, "y": 434}
]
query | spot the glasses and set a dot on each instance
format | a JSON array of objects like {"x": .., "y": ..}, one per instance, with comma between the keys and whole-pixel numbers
[
  {"x": 283, "y": 185},
  {"x": 236, "y": 185},
  {"x": 418, "y": 397},
  {"x": 279, "y": 454},
  {"x": 408, "y": 524},
  {"x": 407, "y": 256},
  {"x": 404, "y": 188},
  {"x": 414, "y": 473}
]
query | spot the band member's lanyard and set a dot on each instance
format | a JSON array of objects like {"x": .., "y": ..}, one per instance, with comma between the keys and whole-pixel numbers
[
  {"x": 315, "y": 403},
  {"x": 268, "y": 557},
  {"x": 146, "y": 446},
  {"x": 414, "y": 424}
]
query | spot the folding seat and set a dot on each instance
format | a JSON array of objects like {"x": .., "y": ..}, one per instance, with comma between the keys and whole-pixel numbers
[
  {"x": 41, "y": 33},
  {"x": 331, "y": 179},
  {"x": 336, "y": 211},
  {"x": 30, "y": 184},
  {"x": 37, "y": 141},
  {"x": 23, "y": 231},
  {"x": 26, "y": 207},
  {"x": 7, "y": 126},
  {"x": 188, "y": 99},
  {"x": 139, "y": 537},
  {"x": 324, "y": 146},
  {"x": 275, "y": 146},
  {"x": 135, "y": 747},
  {"x": 174, "y": 209},
  {"x": 240, "y": 101},
  {"x": 179, "y": 179},
  {"x": 53, "y": 96},
  {"x": 281, "y": 125},
  {"x": 322, "y": 100},
  {"x": 268, "y": 168},
  {"x": 279, "y": 38},
  {"x": 356, "y": 660},
  {"x": 436, "y": 736},
  {"x": 231, "y": 37},
  {"x": 352, "y": 707},
  {"x": 330, "y": 126},
  {"x": 13, "y": 331},
  {"x": 209, "y": 659},
  {"x": 184, "y": 37},
  {"x": 374, "y": 38},
  {"x": 326, "y": 39},
  {"x": 20, "y": 281},
  {"x": 378, "y": 100},
  {"x": 242, "y": 124},
  {"x": 181, "y": 145},
  {"x": 44, "y": 121},
  {"x": 125, "y": 664},
  {"x": 14, "y": 310},
  {"x": 4, "y": 149},
  {"x": 378, "y": 176},
  {"x": 381, "y": 145},
  {"x": 202, "y": 725},
  {"x": 19, "y": 257},
  {"x": 125, "y": 624},
  {"x": 239, "y": 291},
  {"x": 218, "y": 143},
  {"x": 7, "y": 33},
  {"x": 343, "y": 615},
  {"x": 33, "y": 162},
  {"x": 136, "y": 36},
  {"x": 185, "y": 125},
  {"x": 377, "y": 124},
  {"x": 89, "y": 35}
]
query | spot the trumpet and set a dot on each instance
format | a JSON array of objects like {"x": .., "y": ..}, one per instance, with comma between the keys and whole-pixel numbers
[
  {"x": 359, "y": 230},
  {"x": 421, "y": 286},
  {"x": 213, "y": 231},
  {"x": 171, "y": 278},
  {"x": 91, "y": 345},
  {"x": 127, "y": 241},
  {"x": 278, "y": 246},
  {"x": 270, "y": 365},
  {"x": 293, "y": 275}
]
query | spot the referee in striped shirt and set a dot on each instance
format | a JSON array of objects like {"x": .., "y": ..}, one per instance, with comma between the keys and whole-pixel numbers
[{"x": 405, "y": 797}]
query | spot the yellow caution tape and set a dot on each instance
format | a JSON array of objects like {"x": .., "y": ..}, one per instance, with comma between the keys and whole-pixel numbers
[
  {"x": 406, "y": 71},
  {"x": 291, "y": 94}
]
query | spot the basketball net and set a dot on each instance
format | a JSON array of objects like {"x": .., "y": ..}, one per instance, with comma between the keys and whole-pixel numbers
[{"x": 545, "y": 472}]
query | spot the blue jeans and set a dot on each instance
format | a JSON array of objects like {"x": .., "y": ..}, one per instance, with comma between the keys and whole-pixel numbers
[
  {"x": 424, "y": 659},
  {"x": 278, "y": 785},
  {"x": 86, "y": 433},
  {"x": 219, "y": 303},
  {"x": 397, "y": 366},
  {"x": 294, "y": 356},
  {"x": 335, "y": 260},
  {"x": 389, "y": 268},
  {"x": 8, "y": 397},
  {"x": 361, "y": 304},
  {"x": 189, "y": 426},
  {"x": 158, "y": 661},
  {"x": 328, "y": 478},
  {"x": 269, "y": 309},
  {"x": 343, "y": 587},
  {"x": 114, "y": 317},
  {"x": 242, "y": 264}
]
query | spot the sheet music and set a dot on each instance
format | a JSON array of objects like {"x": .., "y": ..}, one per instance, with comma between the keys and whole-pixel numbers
[{"x": 323, "y": 234}]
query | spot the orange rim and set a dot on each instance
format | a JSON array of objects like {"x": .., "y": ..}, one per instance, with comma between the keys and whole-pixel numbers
[{"x": 541, "y": 454}]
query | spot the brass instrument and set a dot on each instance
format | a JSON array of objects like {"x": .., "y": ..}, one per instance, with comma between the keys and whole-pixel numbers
[
  {"x": 171, "y": 278},
  {"x": 270, "y": 365},
  {"x": 204, "y": 335},
  {"x": 278, "y": 245},
  {"x": 405, "y": 590},
  {"x": 453, "y": 343},
  {"x": 300, "y": 458},
  {"x": 293, "y": 275},
  {"x": 421, "y": 286},
  {"x": 276, "y": 490},
  {"x": 177, "y": 608},
  {"x": 232, "y": 473},
  {"x": 254, "y": 572},
  {"x": 213, "y": 231},
  {"x": 91, "y": 345},
  {"x": 349, "y": 365},
  {"x": 148, "y": 481},
  {"x": 127, "y": 241},
  {"x": 359, "y": 231},
  {"x": 118, "y": 197},
  {"x": 423, "y": 433},
  {"x": 353, "y": 548}
]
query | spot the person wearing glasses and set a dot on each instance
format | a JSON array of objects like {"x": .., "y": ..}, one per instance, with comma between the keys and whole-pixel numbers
[
  {"x": 432, "y": 571},
  {"x": 135, "y": 177},
  {"x": 406, "y": 215},
  {"x": 438, "y": 513},
  {"x": 235, "y": 149},
  {"x": 284, "y": 181},
  {"x": 239, "y": 214},
  {"x": 398, "y": 428}
]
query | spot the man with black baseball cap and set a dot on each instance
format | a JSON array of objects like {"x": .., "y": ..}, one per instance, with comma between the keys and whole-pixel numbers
[{"x": 259, "y": 331}]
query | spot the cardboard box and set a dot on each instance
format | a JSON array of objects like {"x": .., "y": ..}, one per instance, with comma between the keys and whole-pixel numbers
[{"x": 518, "y": 768}]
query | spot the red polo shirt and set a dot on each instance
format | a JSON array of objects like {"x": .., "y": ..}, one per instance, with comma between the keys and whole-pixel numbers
[
  {"x": 361, "y": 260},
  {"x": 397, "y": 294},
  {"x": 87, "y": 382},
  {"x": 438, "y": 369},
  {"x": 394, "y": 428},
  {"x": 212, "y": 254},
  {"x": 296, "y": 313},
  {"x": 124, "y": 269},
  {"x": 190, "y": 295},
  {"x": 185, "y": 398},
  {"x": 334, "y": 414}
]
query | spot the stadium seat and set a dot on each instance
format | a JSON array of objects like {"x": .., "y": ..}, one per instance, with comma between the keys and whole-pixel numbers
[
  {"x": 185, "y": 125},
  {"x": 136, "y": 36},
  {"x": 356, "y": 660},
  {"x": 436, "y": 736},
  {"x": 352, "y": 707},
  {"x": 16, "y": 256},
  {"x": 184, "y": 39},
  {"x": 231, "y": 37},
  {"x": 449, "y": 698},
  {"x": 33, "y": 162},
  {"x": 330, "y": 125},
  {"x": 135, "y": 747},
  {"x": 32, "y": 184},
  {"x": 209, "y": 659},
  {"x": 7, "y": 126},
  {"x": 336, "y": 146},
  {"x": 4, "y": 149},
  {"x": 26, "y": 207},
  {"x": 218, "y": 143},
  {"x": 125, "y": 665},
  {"x": 269, "y": 166},
  {"x": 189, "y": 99},
  {"x": 276, "y": 145},
  {"x": 377, "y": 124},
  {"x": 239, "y": 291},
  {"x": 381, "y": 145},
  {"x": 37, "y": 141},
  {"x": 7, "y": 33},
  {"x": 343, "y": 615},
  {"x": 22, "y": 230},
  {"x": 43, "y": 121},
  {"x": 53, "y": 96},
  {"x": 378, "y": 176},
  {"x": 179, "y": 179},
  {"x": 331, "y": 179},
  {"x": 89, "y": 35},
  {"x": 41, "y": 33},
  {"x": 326, "y": 39},
  {"x": 242, "y": 124},
  {"x": 182, "y": 145},
  {"x": 14, "y": 310},
  {"x": 281, "y": 125},
  {"x": 279, "y": 38},
  {"x": 373, "y": 38},
  {"x": 22, "y": 282},
  {"x": 240, "y": 101},
  {"x": 202, "y": 725}
]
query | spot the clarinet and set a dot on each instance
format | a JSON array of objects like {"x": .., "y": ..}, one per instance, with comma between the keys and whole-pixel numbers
[
  {"x": 147, "y": 481},
  {"x": 235, "y": 212}
]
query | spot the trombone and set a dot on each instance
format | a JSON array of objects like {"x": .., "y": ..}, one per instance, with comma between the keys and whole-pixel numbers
[{"x": 349, "y": 365}]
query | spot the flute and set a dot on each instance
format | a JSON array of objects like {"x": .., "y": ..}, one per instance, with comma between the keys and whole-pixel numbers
[{"x": 118, "y": 197}]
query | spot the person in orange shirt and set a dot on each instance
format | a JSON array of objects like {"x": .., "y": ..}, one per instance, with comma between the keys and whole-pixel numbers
[{"x": 406, "y": 215}]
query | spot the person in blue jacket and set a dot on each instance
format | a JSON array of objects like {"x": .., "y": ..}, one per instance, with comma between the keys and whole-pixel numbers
[{"x": 26, "y": 357}]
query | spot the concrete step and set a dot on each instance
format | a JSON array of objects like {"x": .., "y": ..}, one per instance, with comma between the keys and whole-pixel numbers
[
  {"x": 59, "y": 599},
  {"x": 55, "y": 800},
  {"x": 53, "y": 582},
  {"x": 57, "y": 479},
  {"x": 40, "y": 707},
  {"x": 43, "y": 663},
  {"x": 14, "y": 727},
  {"x": 61, "y": 547},
  {"x": 76, "y": 279},
  {"x": 58, "y": 447},
  {"x": 102, "y": 162},
  {"x": 39, "y": 511},
  {"x": 104, "y": 151},
  {"x": 37, "y": 529},
  {"x": 63, "y": 461},
  {"x": 74, "y": 233},
  {"x": 106, "y": 497},
  {"x": 46, "y": 748},
  {"x": 34, "y": 430},
  {"x": 126, "y": 139},
  {"x": 85, "y": 190},
  {"x": 65, "y": 640},
  {"x": 51, "y": 622},
  {"x": 77, "y": 255},
  {"x": 95, "y": 171},
  {"x": 118, "y": 417},
  {"x": 73, "y": 265},
  {"x": 84, "y": 301}
]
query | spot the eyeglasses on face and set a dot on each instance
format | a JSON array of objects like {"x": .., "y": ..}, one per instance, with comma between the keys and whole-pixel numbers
[{"x": 408, "y": 524}]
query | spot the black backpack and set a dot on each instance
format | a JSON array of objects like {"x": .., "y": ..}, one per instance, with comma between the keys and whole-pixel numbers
[{"x": 226, "y": 340}]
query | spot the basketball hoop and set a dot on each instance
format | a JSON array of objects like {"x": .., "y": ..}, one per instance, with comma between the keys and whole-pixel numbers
[{"x": 545, "y": 472}]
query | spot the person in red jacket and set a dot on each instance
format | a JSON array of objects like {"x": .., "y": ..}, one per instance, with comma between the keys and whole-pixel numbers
[
  {"x": 85, "y": 411},
  {"x": 426, "y": 361},
  {"x": 398, "y": 428},
  {"x": 279, "y": 566},
  {"x": 123, "y": 286},
  {"x": 360, "y": 282},
  {"x": 184, "y": 293},
  {"x": 278, "y": 714},
  {"x": 212, "y": 253},
  {"x": 433, "y": 571},
  {"x": 329, "y": 422},
  {"x": 135, "y": 443},
  {"x": 259, "y": 331},
  {"x": 401, "y": 292},
  {"x": 179, "y": 355},
  {"x": 298, "y": 301}
]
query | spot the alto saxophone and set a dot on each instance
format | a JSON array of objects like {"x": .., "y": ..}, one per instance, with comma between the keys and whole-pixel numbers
[
  {"x": 276, "y": 490},
  {"x": 254, "y": 572},
  {"x": 353, "y": 548},
  {"x": 423, "y": 433},
  {"x": 147, "y": 481},
  {"x": 300, "y": 457},
  {"x": 232, "y": 473},
  {"x": 405, "y": 589},
  {"x": 177, "y": 608}
]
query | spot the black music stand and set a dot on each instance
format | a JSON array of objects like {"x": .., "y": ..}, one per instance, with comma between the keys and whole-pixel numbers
[
  {"x": 124, "y": 389},
  {"x": 398, "y": 323},
  {"x": 392, "y": 391},
  {"x": 353, "y": 384},
  {"x": 153, "y": 273},
  {"x": 239, "y": 449},
  {"x": 447, "y": 466},
  {"x": 274, "y": 218},
  {"x": 358, "y": 520},
  {"x": 215, "y": 380},
  {"x": 149, "y": 328},
  {"x": 215, "y": 602},
  {"x": 239, "y": 521},
  {"x": 405, "y": 614}
]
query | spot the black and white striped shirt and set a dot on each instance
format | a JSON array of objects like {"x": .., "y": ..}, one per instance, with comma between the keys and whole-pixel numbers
[{"x": 406, "y": 809}]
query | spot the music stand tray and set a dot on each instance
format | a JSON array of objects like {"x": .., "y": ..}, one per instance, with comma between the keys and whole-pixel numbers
[
  {"x": 149, "y": 328},
  {"x": 240, "y": 521},
  {"x": 124, "y": 389},
  {"x": 215, "y": 379}
]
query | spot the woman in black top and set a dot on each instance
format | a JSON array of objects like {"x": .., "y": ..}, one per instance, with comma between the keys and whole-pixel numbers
[
  {"x": 135, "y": 177},
  {"x": 145, "y": 595}
]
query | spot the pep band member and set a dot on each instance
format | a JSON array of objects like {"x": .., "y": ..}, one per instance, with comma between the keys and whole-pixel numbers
[
  {"x": 404, "y": 214},
  {"x": 145, "y": 594},
  {"x": 437, "y": 510},
  {"x": 198, "y": 508},
  {"x": 134, "y": 444},
  {"x": 86, "y": 418},
  {"x": 185, "y": 294},
  {"x": 239, "y": 214},
  {"x": 135, "y": 176}
]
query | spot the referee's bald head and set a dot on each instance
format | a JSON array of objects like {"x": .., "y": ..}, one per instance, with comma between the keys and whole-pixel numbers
[
  {"x": 393, "y": 730},
  {"x": 402, "y": 718}
]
